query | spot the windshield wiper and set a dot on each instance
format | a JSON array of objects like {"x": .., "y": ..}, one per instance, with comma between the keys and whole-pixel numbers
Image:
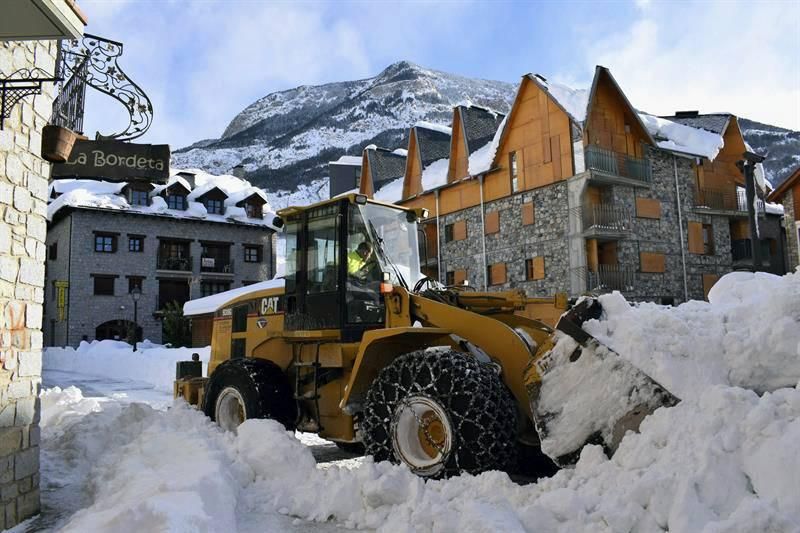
[{"x": 384, "y": 256}]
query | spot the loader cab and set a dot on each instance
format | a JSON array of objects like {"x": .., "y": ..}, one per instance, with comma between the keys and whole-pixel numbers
[{"x": 331, "y": 284}]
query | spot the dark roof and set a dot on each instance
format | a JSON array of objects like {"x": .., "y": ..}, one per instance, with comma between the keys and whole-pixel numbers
[
  {"x": 713, "y": 122},
  {"x": 433, "y": 145},
  {"x": 385, "y": 166},
  {"x": 479, "y": 125}
]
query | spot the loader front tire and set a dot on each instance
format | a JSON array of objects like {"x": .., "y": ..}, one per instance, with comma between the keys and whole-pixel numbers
[
  {"x": 241, "y": 389},
  {"x": 441, "y": 413}
]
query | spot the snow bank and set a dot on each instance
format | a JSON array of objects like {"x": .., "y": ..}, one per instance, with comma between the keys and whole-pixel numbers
[
  {"x": 747, "y": 335},
  {"x": 681, "y": 138},
  {"x": 151, "y": 363}
]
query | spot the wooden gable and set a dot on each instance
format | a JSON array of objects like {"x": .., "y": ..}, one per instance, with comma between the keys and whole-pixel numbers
[
  {"x": 611, "y": 122},
  {"x": 214, "y": 193},
  {"x": 538, "y": 131},
  {"x": 722, "y": 173},
  {"x": 366, "y": 186},
  {"x": 459, "y": 156},
  {"x": 412, "y": 181}
]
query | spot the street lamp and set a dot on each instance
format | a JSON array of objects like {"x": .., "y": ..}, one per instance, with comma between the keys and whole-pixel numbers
[{"x": 136, "y": 293}]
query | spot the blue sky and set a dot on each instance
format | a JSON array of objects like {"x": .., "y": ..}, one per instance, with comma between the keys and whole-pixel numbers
[{"x": 202, "y": 61}]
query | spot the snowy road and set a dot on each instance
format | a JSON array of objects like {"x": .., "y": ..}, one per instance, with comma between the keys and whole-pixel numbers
[{"x": 61, "y": 498}]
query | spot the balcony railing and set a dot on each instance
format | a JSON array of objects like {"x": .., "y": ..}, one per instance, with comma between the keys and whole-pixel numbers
[
  {"x": 216, "y": 264},
  {"x": 729, "y": 199},
  {"x": 606, "y": 218},
  {"x": 610, "y": 278},
  {"x": 617, "y": 164},
  {"x": 181, "y": 264},
  {"x": 69, "y": 104}
]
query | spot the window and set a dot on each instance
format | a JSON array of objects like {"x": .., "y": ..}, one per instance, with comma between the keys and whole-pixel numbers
[
  {"x": 456, "y": 231},
  {"x": 496, "y": 273},
  {"x": 105, "y": 243},
  {"x": 322, "y": 256},
  {"x": 207, "y": 288},
  {"x": 176, "y": 201},
  {"x": 252, "y": 254},
  {"x": 214, "y": 207},
  {"x": 253, "y": 210},
  {"x": 358, "y": 177},
  {"x": 448, "y": 232},
  {"x": 491, "y": 222},
  {"x": 528, "y": 213},
  {"x": 512, "y": 166},
  {"x": 103, "y": 285},
  {"x": 708, "y": 239},
  {"x": 450, "y": 278},
  {"x": 135, "y": 282},
  {"x": 139, "y": 197},
  {"x": 135, "y": 243},
  {"x": 534, "y": 268},
  {"x": 53, "y": 251}
]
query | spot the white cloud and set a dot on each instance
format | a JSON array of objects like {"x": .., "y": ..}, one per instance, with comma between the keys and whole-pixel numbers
[{"x": 710, "y": 56}]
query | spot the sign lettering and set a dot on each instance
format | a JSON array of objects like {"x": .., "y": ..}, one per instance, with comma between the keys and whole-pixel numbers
[{"x": 116, "y": 161}]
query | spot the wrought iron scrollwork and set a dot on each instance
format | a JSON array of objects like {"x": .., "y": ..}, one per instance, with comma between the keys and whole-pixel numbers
[
  {"x": 94, "y": 60},
  {"x": 21, "y": 83}
]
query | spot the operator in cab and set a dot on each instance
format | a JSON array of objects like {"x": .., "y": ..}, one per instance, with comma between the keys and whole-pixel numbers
[{"x": 359, "y": 261}]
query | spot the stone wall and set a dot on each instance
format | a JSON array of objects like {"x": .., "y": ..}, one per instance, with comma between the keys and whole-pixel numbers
[
  {"x": 792, "y": 232},
  {"x": 76, "y": 261},
  {"x": 23, "y": 193}
]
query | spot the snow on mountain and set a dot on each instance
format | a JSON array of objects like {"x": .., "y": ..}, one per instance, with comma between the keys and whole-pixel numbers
[{"x": 287, "y": 138}]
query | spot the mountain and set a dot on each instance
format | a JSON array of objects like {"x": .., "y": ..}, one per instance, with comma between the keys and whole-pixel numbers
[
  {"x": 783, "y": 146},
  {"x": 286, "y": 139}
]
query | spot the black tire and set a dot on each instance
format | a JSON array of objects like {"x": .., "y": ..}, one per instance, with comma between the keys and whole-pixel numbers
[
  {"x": 356, "y": 448},
  {"x": 262, "y": 386},
  {"x": 531, "y": 462},
  {"x": 480, "y": 409}
]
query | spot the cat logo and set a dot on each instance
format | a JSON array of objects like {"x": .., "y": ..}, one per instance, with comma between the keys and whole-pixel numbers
[
  {"x": 261, "y": 323},
  {"x": 269, "y": 306}
]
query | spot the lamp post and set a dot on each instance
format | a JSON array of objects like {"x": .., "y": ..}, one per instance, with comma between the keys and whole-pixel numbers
[{"x": 136, "y": 293}]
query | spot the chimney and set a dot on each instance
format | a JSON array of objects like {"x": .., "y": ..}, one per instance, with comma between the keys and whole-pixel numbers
[
  {"x": 188, "y": 176},
  {"x": 686, "y": 114},
  {"x": 238, "y": 171}
]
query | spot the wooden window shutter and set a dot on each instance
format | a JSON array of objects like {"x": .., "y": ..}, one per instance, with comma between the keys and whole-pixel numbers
[
  {"x": 528, "y": 214},
  {"x": 459, "y": 276},
  {"x": 652, "y": 262},
  {"x": 708, "y": 281},
  {"x": 648, "y": 208},
  {"x": 695, "y": 238},
  {"x": 538, "y": 267},
  {"x": 492, "y": 222},
  {"x": 460, "y": 231},
  {"x": 497, "y": 274}
]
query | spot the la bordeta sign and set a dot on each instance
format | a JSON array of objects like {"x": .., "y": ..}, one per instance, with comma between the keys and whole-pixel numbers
[{"x": 116, "y": 161}]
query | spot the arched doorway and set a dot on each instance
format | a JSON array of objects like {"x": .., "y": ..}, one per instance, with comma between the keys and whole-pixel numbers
[{"x": 118, "y": 330}]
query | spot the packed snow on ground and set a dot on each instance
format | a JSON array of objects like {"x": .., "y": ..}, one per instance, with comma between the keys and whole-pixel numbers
[
  {"x": 150, "y": 363},
  {"x": 722, "y": 460}
]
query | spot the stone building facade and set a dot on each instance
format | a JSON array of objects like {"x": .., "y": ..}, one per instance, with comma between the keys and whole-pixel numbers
[
  {"x": 23, "y": 207},
  {"x": 242, "y": 254},
  {"x": 788, "y": 194}
]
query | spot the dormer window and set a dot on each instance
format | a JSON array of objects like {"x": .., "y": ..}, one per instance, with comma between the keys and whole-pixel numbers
[
  {"x": 253, "y": 210},
  {"x": 176, "y": 201},
  {"x": 138, "y": 197},
  {"x": 214, "y": 207}
]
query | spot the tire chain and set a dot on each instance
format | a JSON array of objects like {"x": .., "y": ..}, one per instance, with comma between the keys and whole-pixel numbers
[{"x": 481, "y": 409}]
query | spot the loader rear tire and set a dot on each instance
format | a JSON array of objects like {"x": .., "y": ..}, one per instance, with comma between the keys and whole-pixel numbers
[
  {"x": 241, "y": 389},
  {"x": 440, "y": 413}
]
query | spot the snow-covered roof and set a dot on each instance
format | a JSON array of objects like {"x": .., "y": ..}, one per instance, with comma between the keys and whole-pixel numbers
[
  {"x": 481, "y": 160},
  {"x": 441, "y": 128},
  {"x": 349, "y": 160},
  {"x": 680, "y": 138},
  {"x": 209, "y": 304},
  {"x": 574, "y": 101},
  {"x": 106, "y": 195},
  {"x": 391, "y": 191},
  {"x": 435, "y": 174}
]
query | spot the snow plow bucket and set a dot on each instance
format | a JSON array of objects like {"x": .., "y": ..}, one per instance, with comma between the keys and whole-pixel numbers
[{"x": 582, "y": 392}]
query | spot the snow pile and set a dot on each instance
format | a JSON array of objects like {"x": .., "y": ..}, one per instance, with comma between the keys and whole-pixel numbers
[
  {"x": 435, "y": 174},
  {"x": 151, "y": 363},
  {"x": 682, "y": 138},
  {"x": 747, "y": 335}
]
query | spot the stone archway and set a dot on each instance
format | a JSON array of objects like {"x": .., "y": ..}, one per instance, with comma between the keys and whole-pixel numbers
[{"x": 118, "y": 330}]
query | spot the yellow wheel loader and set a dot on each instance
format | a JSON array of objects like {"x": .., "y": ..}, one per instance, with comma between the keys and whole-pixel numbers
[{"x": 355, "y": 344}]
